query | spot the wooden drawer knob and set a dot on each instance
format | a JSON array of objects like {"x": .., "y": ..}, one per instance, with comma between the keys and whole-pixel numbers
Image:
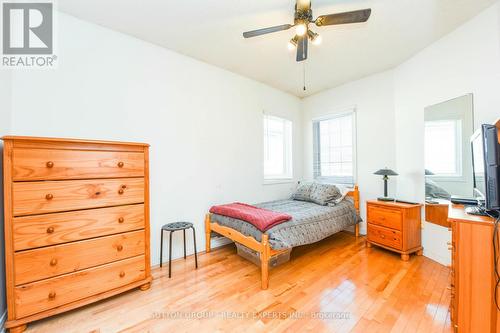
[
  {"x": 382, "y": 236},
  {"x": 119, "y": 247},
  {"x": 120, "y": 164},
  {"x": 122, "y": 274},
  {"x": 49, "y": 196},
  {"x": 50, "y": 164},
  {"x": 52, "y": 295},
  {"x": 120, "y": 191},
  {"x": 53, "y": 262},
  {"x": 50, "y": 230},
  {"x": 121, "y": 219}
]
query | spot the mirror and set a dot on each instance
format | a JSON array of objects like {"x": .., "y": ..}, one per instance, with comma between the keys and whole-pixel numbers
[{"x": 448, "y": 127}]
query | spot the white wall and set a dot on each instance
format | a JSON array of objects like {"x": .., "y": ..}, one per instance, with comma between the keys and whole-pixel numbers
[
  {"x": 373, "y": 100},
  {"x": 5, "y": 115},
  {"x": 465, "y": 61},
  {"x": 204, "y": 124}
]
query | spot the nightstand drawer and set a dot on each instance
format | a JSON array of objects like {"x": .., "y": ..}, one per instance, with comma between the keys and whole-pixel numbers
[
  {"x": 386, "y": 217},
  {"x": 385, "y": 236}
]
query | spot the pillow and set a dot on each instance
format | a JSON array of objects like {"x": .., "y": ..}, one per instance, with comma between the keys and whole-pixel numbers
[
  {"x": 343, "y": 190},
  {"x": 303, "y": 192},
  {"x": 322, "y": 194},
  {"x": 433, "y": 190}
]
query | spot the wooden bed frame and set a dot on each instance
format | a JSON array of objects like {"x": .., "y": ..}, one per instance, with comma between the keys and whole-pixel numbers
[{"x": 263, "y": 246}]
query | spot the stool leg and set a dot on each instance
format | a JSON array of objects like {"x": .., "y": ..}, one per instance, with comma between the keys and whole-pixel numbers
[
  {"x": 170, "y": 256},
  {"x": 184, "y": 231},
  {"x": 161, "y": 248},
  {"x": 195, "y": 255}
]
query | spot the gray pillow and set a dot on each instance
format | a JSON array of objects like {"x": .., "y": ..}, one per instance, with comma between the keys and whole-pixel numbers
[
  {"x": 303, "y": 192},
  {"x": 322, "y": 194},
  {"x": 433, "y": 190}
]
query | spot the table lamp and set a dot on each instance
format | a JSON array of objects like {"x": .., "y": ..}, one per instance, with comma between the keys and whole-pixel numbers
[{"x": 385, "y": 173}]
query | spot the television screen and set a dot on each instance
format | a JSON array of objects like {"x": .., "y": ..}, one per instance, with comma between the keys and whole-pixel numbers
[{"x": 486, "y": 166}]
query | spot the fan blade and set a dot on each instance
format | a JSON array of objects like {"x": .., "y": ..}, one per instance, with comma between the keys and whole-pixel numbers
[
  {"x": 264, "y": 31},
  {"x": 302, "y": 48},
  {"x": 344, "y": 18}
]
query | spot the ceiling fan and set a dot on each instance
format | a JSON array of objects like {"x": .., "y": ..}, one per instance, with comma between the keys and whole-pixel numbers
[{"x": 303, "y": 16}]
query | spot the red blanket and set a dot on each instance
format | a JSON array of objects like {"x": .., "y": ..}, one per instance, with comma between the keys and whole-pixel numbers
[{"x": 262, "y": 219}]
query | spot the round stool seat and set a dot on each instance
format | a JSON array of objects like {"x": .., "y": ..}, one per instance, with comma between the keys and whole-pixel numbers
[{"x": 177, "y": 226}]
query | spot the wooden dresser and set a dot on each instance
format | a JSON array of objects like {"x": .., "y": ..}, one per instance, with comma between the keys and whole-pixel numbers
[
  {"x": 394, "y": 226},
  {"x": 76, "y": 224},
  {"x": 472, "y": 307}
]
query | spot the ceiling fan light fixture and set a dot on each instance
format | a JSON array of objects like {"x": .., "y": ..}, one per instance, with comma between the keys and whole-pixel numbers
[
  {"x": 302, "y": 18},
  {"x": 314, "y": 37},
  {"x": 301, "y": 29},
  {"x": 292, "y": 43}
]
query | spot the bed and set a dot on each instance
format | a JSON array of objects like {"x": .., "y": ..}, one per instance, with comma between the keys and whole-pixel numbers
[{"x": 310, "y": 223}]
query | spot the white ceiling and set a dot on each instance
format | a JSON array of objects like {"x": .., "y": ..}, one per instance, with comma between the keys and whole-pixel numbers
[{"x": 210, "y": 30}]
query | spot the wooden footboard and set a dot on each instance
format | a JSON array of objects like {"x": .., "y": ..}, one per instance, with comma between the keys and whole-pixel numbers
[
  {"x": 262, "y": 247},
  {"x": 355, "y": 195}
]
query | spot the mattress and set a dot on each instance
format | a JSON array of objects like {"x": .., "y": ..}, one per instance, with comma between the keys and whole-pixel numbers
[{"x": 310, "y": 222}]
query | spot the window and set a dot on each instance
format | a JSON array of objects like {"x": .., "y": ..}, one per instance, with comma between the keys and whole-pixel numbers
[
  {"x": 277, "y": 148},
  {"x": 443, "y": 147},
  {"x": 334, "y": 148}
]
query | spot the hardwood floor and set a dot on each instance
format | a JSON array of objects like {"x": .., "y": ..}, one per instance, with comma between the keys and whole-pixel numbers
[{"x": 368, "y": 289}]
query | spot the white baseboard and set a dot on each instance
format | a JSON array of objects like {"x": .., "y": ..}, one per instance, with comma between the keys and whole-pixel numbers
[
  {"x": 443, "y": 260},
  {"x": 219, "y": 241},
  {"x": 3, "y": 319}
]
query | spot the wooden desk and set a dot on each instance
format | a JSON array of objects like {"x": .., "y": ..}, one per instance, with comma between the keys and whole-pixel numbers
[
  {"x": 472, "y": 307},
  {"x": 438, "y": 213}
]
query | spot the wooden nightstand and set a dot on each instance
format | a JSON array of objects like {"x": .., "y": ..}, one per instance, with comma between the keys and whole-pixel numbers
[{"x": 394, "y": 226}]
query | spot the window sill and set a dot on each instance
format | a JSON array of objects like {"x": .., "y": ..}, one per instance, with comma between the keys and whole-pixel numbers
[
  {"x": 450, "y": 179},
  {"x": 278, "y": 181}
]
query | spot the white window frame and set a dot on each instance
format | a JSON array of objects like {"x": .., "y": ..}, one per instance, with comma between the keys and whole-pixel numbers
[
  {"x": 458, "y": 176},
  {"x": 287, "y": 174},
  {"x": 316, "y": 155}
]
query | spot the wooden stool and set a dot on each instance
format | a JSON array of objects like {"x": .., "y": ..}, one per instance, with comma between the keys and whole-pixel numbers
[{"x": 171, "y": 227}]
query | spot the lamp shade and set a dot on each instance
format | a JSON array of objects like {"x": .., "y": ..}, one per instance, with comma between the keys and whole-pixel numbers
[{"x": 385, "y": 172}]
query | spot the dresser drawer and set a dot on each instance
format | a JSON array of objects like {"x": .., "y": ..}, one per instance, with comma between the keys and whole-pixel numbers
[
  {"x": 30, "y": 198},
  {"x": 57, "y": 228},
  {"x": 47, "y": 294},
  {"x": 386, "y": 217},
  {"x": 43, "y": 263},
  {"x": 54, "y": 164},
  {"x": 385, "y": 236}
]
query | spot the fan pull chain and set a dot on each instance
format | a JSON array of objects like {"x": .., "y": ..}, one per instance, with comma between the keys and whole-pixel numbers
[{"x": 304, "y": 76}]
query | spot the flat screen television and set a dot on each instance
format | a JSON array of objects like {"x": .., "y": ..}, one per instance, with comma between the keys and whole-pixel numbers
[{"x": 486, "y": 167}]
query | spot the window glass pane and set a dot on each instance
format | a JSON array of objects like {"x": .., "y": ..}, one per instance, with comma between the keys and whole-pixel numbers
[{"x": 334, "y": 149}]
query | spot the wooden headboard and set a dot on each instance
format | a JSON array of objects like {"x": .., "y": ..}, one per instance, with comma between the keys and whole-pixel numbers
[{"x": 355, "y": 195}]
